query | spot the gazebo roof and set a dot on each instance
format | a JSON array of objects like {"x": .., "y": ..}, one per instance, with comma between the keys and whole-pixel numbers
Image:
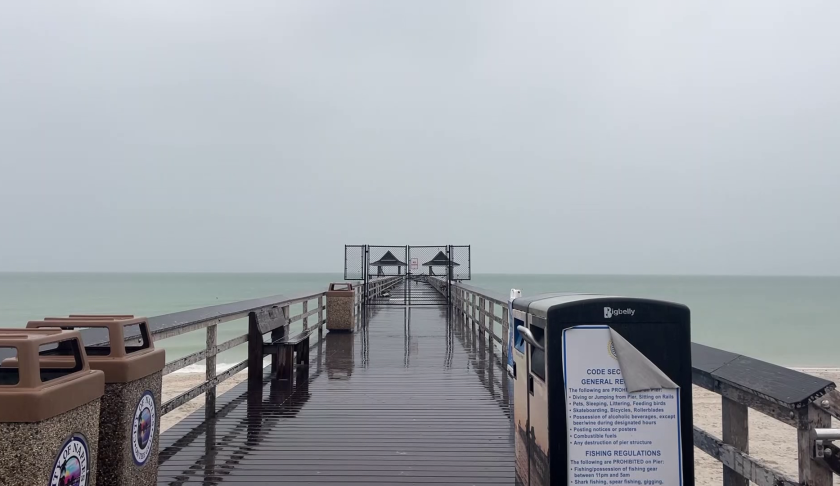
[
  {"x": 440, "y": 260},
  {"x": 388, "y": 260}
]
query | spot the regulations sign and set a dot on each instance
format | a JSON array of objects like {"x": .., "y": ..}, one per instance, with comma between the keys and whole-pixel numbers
[
  {"x": 616, "y": 437},
  {"x": 415, "y": 264}
]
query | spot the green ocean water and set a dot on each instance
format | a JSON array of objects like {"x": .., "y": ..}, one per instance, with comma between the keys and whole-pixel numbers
[{"x": 790, "y": 321}]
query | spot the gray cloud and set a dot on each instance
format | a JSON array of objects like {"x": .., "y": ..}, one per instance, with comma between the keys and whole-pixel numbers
[{"x": 587, "y": 137}]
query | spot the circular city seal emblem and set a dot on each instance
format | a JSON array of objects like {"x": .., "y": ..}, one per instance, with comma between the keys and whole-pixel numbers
[
  {"x": 611, "y": 350},
  {"x": 143, "y": 427},
  {"x": 71, "y": 465}
]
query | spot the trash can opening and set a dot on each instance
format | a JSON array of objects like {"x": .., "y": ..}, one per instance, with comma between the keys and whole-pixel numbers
[
  {"x": 9, "y": 375},
  {"x": 341, "y": 286},
  {"x": 64, "y": 357}
]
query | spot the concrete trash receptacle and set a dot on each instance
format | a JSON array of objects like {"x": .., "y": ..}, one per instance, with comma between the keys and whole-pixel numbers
[
  {"x": 341, "y": 312},
  {"x": 49, "y": 415},
  {"x": 129, "y": 422}
]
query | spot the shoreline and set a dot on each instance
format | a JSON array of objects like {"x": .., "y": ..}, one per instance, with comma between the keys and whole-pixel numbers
[{"x": 771, "y": 441}]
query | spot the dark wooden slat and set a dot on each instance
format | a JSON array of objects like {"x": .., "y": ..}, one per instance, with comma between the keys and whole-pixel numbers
[
  {"x": 735, "y": 433},
  {"x": 271, "y": 318}
]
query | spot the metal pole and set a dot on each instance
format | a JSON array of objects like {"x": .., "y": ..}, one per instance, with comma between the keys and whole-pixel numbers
[
  {"x": 366, "y": 263},
  {"x": 827, "y": 434},
  {"x": 449, "y": 276}
]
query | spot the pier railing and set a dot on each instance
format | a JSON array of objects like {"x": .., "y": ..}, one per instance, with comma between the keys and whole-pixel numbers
[
  {"x": 288, "y": 314},
  {"x": 797, "y": 399}
]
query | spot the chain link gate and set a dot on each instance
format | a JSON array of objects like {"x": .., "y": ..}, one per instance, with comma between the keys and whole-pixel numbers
[
  {"x": 426, "y": 263},
  {"x": 354, "y": 262},
  {"x": 407, "y": 275}
]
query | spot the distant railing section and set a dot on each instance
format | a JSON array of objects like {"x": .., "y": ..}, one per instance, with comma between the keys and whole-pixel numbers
[
  {"x": 304, "y": 311},
  {"x": 378, "y": 286},
  {"x": 743, "y": 383},
  {"x": 483, "y": 308}
]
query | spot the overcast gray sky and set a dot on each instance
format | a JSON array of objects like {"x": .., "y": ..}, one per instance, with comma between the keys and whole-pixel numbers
[{"x": 554, "y": 137}]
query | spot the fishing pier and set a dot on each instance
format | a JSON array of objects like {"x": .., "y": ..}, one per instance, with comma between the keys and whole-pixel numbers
[{"x": 417, "y": 390}]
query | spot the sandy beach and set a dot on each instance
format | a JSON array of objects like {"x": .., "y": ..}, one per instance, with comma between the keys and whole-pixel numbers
[
  {"x": 177, "y": 383},
  {"x": 771, "y": 441}
]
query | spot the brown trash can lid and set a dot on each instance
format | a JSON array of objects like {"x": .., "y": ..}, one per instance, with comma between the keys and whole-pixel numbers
[
  {"x": 72, "y": 317},
  {"x": 335, "y": 291},
  {"x": 34, "y": 398},
  {"x": 121, "y": 364}
]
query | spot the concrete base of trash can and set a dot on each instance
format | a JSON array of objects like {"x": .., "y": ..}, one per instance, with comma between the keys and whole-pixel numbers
[
  {"x": 340, "y": 315},
  {"x": 117, "y": 465},
  {"x": 28, "y": 451}
]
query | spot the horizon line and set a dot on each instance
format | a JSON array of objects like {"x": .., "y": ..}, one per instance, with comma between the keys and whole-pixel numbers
[{"x": 211, "y": 272}]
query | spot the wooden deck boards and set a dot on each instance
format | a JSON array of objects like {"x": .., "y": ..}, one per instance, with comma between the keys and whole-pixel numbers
[{"x": 410, "y": 398}]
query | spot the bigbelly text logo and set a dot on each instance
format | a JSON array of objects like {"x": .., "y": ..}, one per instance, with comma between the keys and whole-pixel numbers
[{"x": 609, "y": 312}]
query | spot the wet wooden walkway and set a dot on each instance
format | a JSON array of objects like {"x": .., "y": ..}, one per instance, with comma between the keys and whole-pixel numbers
[{"x": 411, "y": 397}]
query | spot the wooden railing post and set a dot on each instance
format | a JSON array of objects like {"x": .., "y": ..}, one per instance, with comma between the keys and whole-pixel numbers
[
  {"x": 255, "y": 353},
  {"x": 465, "y": 318},
  {"x": 283, "y": 331},
  {"x": 472, "y": 313},
  {"x": 465, "y": 309},
  {"x": 482, "y": 317},
  {"x": 210, "y": 372},
  {"x": 320, "y": 317},
  {"x": 811, "y": 473},
  {"x": 505, "y": 329},
  {"x": 736, "y": 434},
  {"x": 305, "y": 317},
  {"x": 491, "y": 342}
]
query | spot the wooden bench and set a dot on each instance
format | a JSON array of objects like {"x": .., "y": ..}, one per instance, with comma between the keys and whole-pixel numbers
[{"x": 288, "y": 353}]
